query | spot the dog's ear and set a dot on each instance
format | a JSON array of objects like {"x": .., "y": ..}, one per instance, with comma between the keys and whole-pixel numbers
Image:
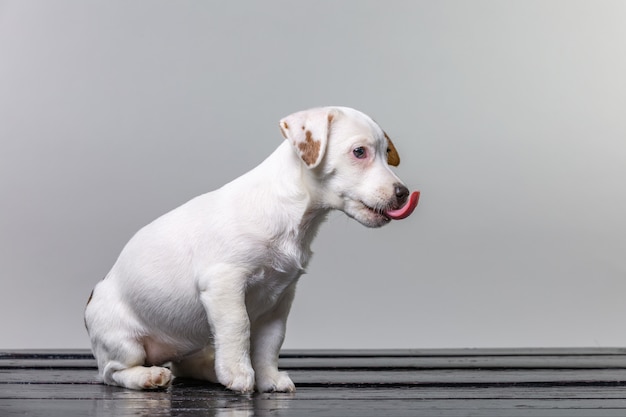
[
  {"x": 392, "y": 154},
  {"x": 308, "y": 132}
]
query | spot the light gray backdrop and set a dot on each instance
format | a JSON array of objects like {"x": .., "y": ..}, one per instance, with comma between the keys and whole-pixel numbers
[{"x": 509, "y": 116}]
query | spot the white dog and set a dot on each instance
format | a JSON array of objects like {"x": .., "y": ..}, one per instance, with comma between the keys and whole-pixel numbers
[{"x": 208, "y": 286}]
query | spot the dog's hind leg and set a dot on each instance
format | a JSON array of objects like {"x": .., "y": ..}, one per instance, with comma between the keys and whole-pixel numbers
[
  {"x": 131, "y": 372},
  {"x": 200, "y": 365},
  {"x": 121, "y": 356},
  {"x": 142, "y": 377}
]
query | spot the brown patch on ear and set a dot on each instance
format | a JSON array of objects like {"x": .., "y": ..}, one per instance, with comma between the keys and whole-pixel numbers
[
  {"x": 283, "y": 128},
  {"x": 393, "y": 158},
  {"x": 330, "y": 118},
  {"x": 310, "y": 149}
]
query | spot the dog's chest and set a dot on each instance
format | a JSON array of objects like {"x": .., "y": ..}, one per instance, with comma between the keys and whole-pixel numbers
[
  {"x": 265, "y": 290},
  {"x": 283, "y": 264}
]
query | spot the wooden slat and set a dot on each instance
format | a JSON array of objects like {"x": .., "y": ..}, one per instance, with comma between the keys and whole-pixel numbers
[
  {"x": 370, "y": 377},
  {"x": 483, "y": 362},
  {"x": 197, "y": 389},
  {"x": 355, "y": 353},
  {"x": 378, "y": 353},
  {"x": 348, "y": 407},
  {"x": 459, "y": 362},
  {"x": 462, "y": 358}
]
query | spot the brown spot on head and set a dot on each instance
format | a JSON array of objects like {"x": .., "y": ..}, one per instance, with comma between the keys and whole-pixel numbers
[
  {"x": 393, "y": 158},
  {"x": 310, "y": 149}
]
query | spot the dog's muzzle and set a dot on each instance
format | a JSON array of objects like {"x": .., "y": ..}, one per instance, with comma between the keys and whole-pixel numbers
[{"x": 406, "y": 208}]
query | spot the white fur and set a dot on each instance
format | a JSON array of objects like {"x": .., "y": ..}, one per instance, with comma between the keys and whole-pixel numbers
[{"x": 208, "y": 286}]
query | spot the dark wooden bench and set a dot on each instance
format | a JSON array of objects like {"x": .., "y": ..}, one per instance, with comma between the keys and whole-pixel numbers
[{"x": 481, "y": 382}]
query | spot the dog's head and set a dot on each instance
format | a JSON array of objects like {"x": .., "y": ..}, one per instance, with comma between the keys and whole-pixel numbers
[{"x": 350, "y": 155}]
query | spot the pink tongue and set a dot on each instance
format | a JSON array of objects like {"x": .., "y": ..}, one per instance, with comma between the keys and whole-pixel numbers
[{"x": 407, "y": 209}]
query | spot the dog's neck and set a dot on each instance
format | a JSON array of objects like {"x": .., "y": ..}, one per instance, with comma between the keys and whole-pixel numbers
[
  {"x": 308, "y": 186},
  {"x": 295, "y": 185}
]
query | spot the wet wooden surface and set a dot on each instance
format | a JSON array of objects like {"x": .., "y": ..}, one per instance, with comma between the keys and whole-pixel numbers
[{"x": 483, "y": 382}]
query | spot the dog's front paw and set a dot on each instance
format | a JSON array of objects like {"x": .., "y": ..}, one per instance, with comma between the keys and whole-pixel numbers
[
  {"x": 241, "y": 379},
  {"x": 277, "y": 382}
]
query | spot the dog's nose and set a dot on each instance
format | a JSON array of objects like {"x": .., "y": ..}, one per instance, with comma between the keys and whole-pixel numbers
[{"x": 401, "y": 193}]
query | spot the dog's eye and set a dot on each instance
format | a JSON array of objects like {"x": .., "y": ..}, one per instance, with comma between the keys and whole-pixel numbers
[{"x": 359, "y": 152}]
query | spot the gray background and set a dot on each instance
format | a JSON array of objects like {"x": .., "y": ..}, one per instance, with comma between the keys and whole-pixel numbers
[{"x": 509, "y": 116}]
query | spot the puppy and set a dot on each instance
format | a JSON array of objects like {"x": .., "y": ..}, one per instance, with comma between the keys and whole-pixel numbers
[{"x": 208, "y": 286}]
